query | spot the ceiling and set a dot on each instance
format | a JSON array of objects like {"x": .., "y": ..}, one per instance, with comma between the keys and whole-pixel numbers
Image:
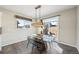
[{"x": 29, "y": 10}]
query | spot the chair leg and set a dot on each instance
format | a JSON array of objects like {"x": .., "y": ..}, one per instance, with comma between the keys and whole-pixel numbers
[
  {"x": 50, "y": 44},
  {"x": 32, "y": 49},
  {"x": 27, "y": 44}
]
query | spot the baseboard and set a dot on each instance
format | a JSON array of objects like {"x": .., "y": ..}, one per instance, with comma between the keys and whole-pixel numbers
[
  {"x": 12, "y": 42},
  {"x": 77, "y": 48},
  {"x": 68, "y": 44}
]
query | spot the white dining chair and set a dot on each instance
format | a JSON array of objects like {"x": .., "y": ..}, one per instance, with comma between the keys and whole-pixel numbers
[{"x": 49, "y": 39}]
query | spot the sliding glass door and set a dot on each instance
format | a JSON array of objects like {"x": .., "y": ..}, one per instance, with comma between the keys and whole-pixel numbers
[{"x": 52, "y": 25}]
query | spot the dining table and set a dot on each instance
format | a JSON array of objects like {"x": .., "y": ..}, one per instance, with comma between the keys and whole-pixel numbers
[{"x": 38, "y": 43}]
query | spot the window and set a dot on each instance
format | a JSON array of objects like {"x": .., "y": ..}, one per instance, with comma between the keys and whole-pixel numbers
[
  {"x": 23, "y": 22},
  {"x": 51, "y": 21}
]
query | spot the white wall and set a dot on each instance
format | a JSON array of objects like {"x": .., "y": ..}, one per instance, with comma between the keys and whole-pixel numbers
[
  {"x": 68, "y": 27},
  {"x": 10, "y": 33}
]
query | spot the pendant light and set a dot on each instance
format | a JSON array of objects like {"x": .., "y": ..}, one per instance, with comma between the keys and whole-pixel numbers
[{"x": 38, "y": 22}]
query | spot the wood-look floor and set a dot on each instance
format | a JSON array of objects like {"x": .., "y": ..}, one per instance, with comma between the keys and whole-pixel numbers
[{"x": 20, "y": 48}]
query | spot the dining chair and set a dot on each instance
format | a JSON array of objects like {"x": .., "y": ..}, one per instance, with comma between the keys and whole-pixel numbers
[{"x": 49, "y": 39}]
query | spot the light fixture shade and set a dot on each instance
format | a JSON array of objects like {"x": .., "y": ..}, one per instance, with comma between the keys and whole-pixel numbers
[{"x": 37, "y": 24}]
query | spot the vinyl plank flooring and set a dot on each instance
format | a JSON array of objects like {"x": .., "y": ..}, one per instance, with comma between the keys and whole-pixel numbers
[
  {"x": 1, "y": 52},
  {"x": 20, "y": 48},
  {"x": 68, "y": 49}
]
